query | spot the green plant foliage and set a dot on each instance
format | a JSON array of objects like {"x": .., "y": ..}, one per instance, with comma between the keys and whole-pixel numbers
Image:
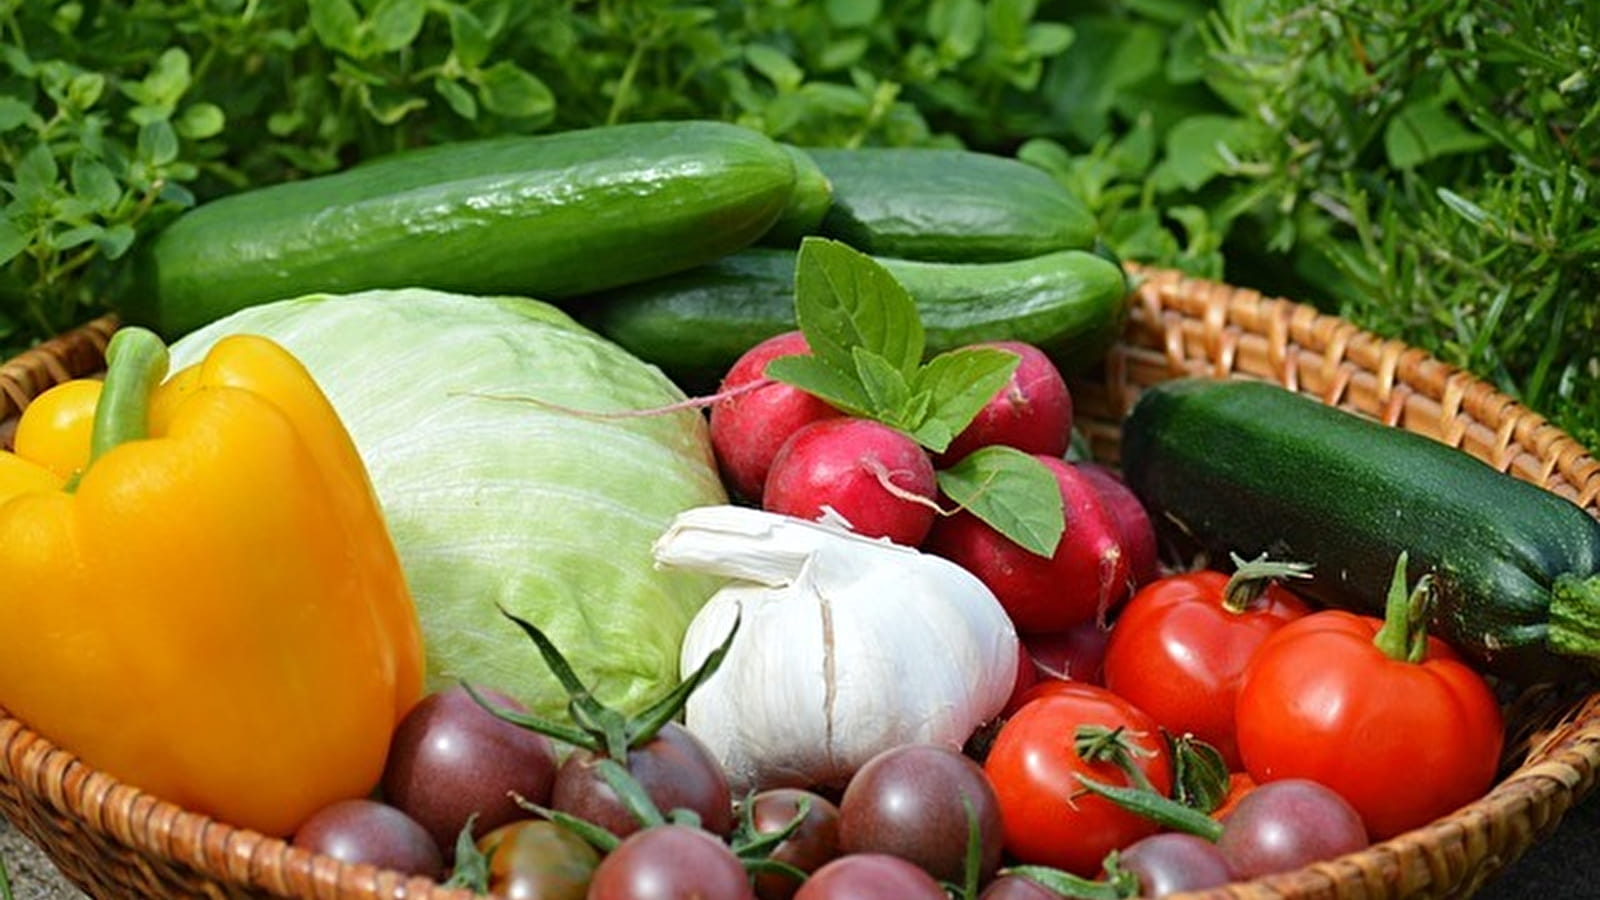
[{"x": 1426, "y": 168}]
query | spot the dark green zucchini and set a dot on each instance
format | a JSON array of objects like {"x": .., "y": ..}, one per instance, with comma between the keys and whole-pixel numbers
[
  {"x": 549, "y": 216},
  {"x": 1249, "y": 467},
  {"x": 948, "y": 205},
  {"x": 696, "y": 323}
]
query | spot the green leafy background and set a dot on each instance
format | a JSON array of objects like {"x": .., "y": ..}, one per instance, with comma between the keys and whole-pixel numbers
[{"x": 1426, "y": 168}]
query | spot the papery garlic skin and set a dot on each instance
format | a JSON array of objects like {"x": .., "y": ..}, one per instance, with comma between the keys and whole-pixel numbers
[{"x": 847, "y": 646}]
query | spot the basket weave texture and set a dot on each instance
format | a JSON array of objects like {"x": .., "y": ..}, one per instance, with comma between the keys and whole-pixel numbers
[{"x": 115, "y": 841}]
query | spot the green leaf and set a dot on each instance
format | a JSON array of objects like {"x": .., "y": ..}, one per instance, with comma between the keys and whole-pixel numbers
[
  {"x": 201, "y": 120},
  {"x": 68, "y": 238},
  {"x": 1014, "y": 493},
  {"x": 774, "y": 65},
  {"x": 13, "y": 240},
  {"x": 852, "y": 13},
  {"x": 844, "y": 299},
  {"x": 1108, "y": 55},
  {"x": 843, "y": 52},
  {"x": 158, "y": 143},
  {"x": 959, "y": 383},
  {"x": 168, "y": 79},
  {"x": 958, "y": 25},
  {"x": 507, "y": 89},
  {"x": 93, "y": 182},
  {"x": 36, "y": 171},
  {"x": 1195, "y": 147},
  {"x": 84, "y": 90},
  {"x": 459, "y": 98},
  {"x": 115, "y": 240},
  {"x": 394, "y": 24},
  {"x": 336, "y": 24},
  {"x": 1425, "y": 131},
  {"x": 1048, "y": 39},
  {"x": 13, "y": 112},
  {"x": 469, "y": 39},
  {"x": 839, "y": 389},
  {"x": 886, "y": 387}
]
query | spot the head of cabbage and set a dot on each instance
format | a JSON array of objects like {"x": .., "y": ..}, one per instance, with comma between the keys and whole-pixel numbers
[{"x": 499, "y": 491}]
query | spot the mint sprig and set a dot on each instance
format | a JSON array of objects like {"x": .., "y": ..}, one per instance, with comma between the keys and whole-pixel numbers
[
  {"x": 1010, "y": 491},
  {"x": 867, "y": 345}
]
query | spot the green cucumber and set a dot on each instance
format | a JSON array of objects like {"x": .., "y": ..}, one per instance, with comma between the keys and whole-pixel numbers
[
  {"x": 696, "y": 323},
  {"x": 948, "y": 205},
  {"x": 548, "y": 216},
  {"x": 808, "y": 204},
  {"x": 1249, "y": 467}
]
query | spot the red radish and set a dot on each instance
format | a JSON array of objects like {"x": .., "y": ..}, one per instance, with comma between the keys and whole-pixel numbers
[
  {"x": 874, "y": 476},
  {"x": 1032, "y": 413},
  {"x": 1132, "y": 521},
  {"x": 748, "y": 428},
  {"x": 1027, "y": 677},
  {"x": 1081, "y": 582},
  {"x": 1077, "y": 653}
]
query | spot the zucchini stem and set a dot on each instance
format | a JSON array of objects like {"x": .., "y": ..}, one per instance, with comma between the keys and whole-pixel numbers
[{"x": 1575, "y": 617}]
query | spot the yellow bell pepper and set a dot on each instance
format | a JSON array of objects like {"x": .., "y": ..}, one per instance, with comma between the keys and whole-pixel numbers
[{"x": 200, "y": 594}]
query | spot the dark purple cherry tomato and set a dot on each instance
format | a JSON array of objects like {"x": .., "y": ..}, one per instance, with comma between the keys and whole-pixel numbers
[
  {"x": 674, "y": 768},
  {"x": 814, "y": 842},
  {"x": 870, "y": 876},
  {"x": 450, "y": 758},
  {"x": 911, "y": 802},
  {"x": 670, "y": 862},
  {"x": 377, "y": 834},
  {"x": 534, "y": 859},
  {"x": 1171, "y": 862},
  {"x": 1287, "y": 824}
]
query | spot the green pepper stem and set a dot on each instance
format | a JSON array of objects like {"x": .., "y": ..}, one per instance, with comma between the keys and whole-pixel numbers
[
  {"x": 1404, "y": 635},
  {"x": 136, "y": 362}
]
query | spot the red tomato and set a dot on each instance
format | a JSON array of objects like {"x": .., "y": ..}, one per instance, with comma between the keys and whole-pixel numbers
[
  {"x": 1180, "y": 646},
  {"x": 1047, "y": 816},
  {"x": 1403, "y": 742}
]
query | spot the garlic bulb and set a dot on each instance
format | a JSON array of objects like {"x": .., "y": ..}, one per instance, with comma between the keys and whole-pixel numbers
[{"x": 847, "y": 646}]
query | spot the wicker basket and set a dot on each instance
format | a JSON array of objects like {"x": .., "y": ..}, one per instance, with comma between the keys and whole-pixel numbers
[{"x": 117, "y": 842}]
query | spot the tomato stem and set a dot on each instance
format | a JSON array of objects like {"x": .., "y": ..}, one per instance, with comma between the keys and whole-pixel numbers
[
  {"x": 1119, "y": 884},
  {"x": 1153, "y": 806},
  {"x": 1251, "y": 579},
  {"x": 1097, "y": 743},
  {"x": 595, "y": 726},
  {"x": 1404, "y": 635}
]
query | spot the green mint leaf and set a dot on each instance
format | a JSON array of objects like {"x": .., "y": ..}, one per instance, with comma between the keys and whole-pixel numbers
[
  {"x": 886, "y": 388},
  {"x": 844, "y": 299},
  {"x": 959, "y": 383},
  {"x": 1011, "y": 491},
  {"x": 842, "y": 391},
  {"x": 931, "y": 433}
]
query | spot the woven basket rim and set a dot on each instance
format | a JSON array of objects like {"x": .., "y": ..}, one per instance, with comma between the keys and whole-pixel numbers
[{"x": 1559, "y": 769}]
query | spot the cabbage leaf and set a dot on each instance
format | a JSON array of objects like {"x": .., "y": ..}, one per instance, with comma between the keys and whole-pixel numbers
[{"x": 497, "y": 500}]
